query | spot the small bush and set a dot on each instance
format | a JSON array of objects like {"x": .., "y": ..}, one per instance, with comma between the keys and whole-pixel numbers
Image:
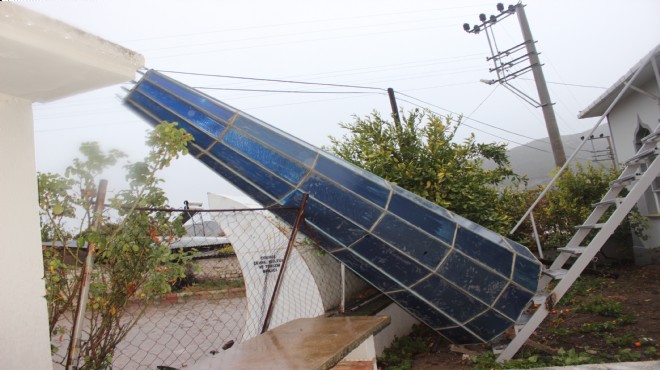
[
  {"x": 600, "y": 305},
  {"x": 399, "y": 355}
]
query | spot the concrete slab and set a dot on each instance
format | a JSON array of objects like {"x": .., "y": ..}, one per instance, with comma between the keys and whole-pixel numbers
[
  {"x": 644, "y": 365},
  {"x": 44, "y": 59},
  {"x": 304, "y": 344}
]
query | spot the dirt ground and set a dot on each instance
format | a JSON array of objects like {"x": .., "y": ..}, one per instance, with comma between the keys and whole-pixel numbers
[{"x": 632, "y": 334}]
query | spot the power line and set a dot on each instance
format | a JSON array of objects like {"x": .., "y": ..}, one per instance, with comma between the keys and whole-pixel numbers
[
  {"x": 483, "y": 101},
  {"x": 380, "y": 90},
  {"x": 469, "y": 118},
  {"x": 445, "y": 85},
  {"x": 283, "y": 35},
  {"x": 305, "y": 102},
  {"x": 500, "y": 137},
  {"x": 339, "y": 85},
  {"x": 351, "y": 86},
  {"x": 567, "y": 84},
  {"x": 424, "y": 75},
  {"x": 327, "y": 20},
  {"x": 274, "y": 80},
  {"x": 282, "y": 91},
  {"x": 477, "y": 129},
  {"x": 335, "y": 73},
  {"x": 400, "y": 66},
  {"x": 272, "y": 44},
  {"x": 404, "y": 65}
]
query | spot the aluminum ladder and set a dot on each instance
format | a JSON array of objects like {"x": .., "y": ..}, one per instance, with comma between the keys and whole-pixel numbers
[{"x": 639, "y": 173}]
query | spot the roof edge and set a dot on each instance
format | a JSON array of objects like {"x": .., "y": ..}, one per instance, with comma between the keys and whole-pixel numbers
[{"x": 595, "y": 109}]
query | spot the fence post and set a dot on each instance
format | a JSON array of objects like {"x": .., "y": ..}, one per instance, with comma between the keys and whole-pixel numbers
[
  {"x": 280, "y": 275},
  {"x": 342, "y": 304},
  {"x": 74, "y": 345}
]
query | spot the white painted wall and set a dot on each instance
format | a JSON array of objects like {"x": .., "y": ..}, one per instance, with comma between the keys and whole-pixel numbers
[
  {"x": 24, "y": 337},
  {"x": 623, "y": 119},
  {"x": 42, "y": 60},
  {"x": 365, "y": 352},
  {"x": 400, "y": 325}
]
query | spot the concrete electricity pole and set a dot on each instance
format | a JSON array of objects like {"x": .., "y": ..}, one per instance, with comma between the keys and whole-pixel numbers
[
  {"x": 542, "y": 89},
  {"x": 502, "y": 68}
]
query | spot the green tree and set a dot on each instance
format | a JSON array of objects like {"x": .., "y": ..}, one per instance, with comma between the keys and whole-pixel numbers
[
  {"x": 421, "y": 155},
  {"x": 135, "y": 262},
  {"x": 568, "y": 204}
]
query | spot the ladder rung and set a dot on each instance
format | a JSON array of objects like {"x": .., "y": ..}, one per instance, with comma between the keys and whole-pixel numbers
[
  {"x": 556, "y": 274},
  {"x": 640, "y": 156},
  {"x": 575, "y": 251},
  {"x": 623, "y": 180},
  {"x": 499, "y": 348},
  {"x": 654, "y": 136},
  {"x": 590, "y": 226},
  {"x": 615, "y": 201},
  {"x": 522, "y": 320},
  {"x": 540, "y": 298},
  {"x": 545, "y": 301}
]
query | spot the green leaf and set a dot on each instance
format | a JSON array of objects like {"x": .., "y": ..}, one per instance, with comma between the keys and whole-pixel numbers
[
  {"x": 58, "y": 209},
  {"x": 422, "y": 157}
]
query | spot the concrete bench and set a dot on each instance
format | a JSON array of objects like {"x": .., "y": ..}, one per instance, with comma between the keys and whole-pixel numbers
[{"x": 306, "y": 344}]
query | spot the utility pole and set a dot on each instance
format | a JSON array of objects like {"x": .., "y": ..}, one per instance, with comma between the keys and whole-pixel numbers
[
  {"x": 503, "y": 68},
  {"x": 600, "y": 155},
  {"x": 542, "y": 89},
  {"x": 73, "y": 353},
  {"x": 395, "y": 108}
]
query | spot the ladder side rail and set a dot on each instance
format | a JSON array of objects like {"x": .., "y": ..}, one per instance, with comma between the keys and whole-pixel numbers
[
  {"x": 581, "y": 263},
  {"x": 593, "y": 218},
  {"x": 539, "y": 249},
  {"x": 608, "y": 228},
  {"x": 577, "y": 238}
]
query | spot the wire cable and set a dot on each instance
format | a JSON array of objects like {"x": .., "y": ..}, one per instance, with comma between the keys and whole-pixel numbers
[
  {"x": 477, "y": 129},
  {"x": 274, "y": 80},
  {"x": 282, "y": 91},
  {"x": 471, "y": 119},
  {"x": 567, "y": 84},
  {"x": 316, "y": 21},
  {"x": 483, "y": 101}
]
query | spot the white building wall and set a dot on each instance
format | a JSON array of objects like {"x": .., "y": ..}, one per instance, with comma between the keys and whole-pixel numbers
[
  {"x": 400, "y": 325},
  {"x": 624, "y": 117},
  {"x": 637, "y": 109},
  {"x": 42, "y": 60},
  {"x": 24, "y": 337}
]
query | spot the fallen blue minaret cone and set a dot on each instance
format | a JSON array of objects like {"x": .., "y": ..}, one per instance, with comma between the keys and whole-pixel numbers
[{"x": 466, "y": 282}]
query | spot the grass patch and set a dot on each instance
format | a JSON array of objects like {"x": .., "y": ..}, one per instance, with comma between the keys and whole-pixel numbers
[
  {"x": 583, "y": 287},
  {"x": 600, "y": 305},
  {"x": 530, "y": 360},
  {"x": 228, "y": 249},
  {"x": 214, "y": 285},
  {"x": 599, "y": 320},
  {"x": 626, "y": 340}
]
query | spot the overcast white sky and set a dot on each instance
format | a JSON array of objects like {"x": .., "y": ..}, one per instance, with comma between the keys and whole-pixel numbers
[{"x": 416, "y": 47}]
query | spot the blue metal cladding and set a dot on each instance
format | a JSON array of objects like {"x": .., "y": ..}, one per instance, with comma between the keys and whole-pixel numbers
[{"x": 464, "y": 281}]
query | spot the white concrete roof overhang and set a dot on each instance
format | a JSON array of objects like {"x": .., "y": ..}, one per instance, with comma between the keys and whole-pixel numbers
[{"x": 43, "y": 59}]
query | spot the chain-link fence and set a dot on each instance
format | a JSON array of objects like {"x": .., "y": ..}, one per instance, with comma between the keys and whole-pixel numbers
[{"x": 227, "y": 292}]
